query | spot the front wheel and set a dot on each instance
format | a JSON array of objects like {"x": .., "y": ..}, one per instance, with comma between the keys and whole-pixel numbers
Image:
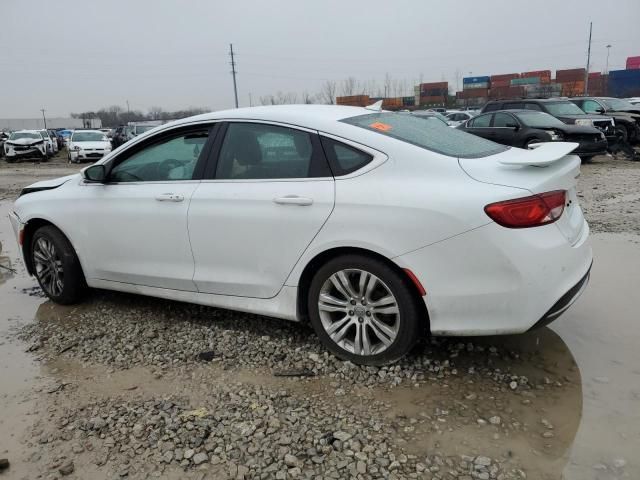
[
  {"x": 363, "y": 310},
  {"x": 622, "y": 135},
  {"x": 56, "y": 266},
  {"x": 586, "y": 159}
]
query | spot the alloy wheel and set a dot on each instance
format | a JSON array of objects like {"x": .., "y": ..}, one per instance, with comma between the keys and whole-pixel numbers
[
  {"x": 359, "y": 312},
  {"x": 48, "y": 267}
]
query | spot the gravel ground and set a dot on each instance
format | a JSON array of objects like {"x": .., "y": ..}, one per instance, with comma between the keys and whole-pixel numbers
[{"x": 135, "y": 387}]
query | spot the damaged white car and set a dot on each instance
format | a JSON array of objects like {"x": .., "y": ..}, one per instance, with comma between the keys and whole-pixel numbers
[
  {"x": 88, "y": 145},
  {"x": 26, "y": 144}
]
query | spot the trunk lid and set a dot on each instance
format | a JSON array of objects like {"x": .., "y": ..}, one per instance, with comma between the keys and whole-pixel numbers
[{"x": 547, "y": 167}]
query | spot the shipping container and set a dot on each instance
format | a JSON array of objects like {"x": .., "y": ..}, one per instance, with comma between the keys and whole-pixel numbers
[
  {"x": 537, "y": 73},
  {"x": 570, "y": 75},
  {"x": 475, "y": 93},
  {"x": 633, "y": 63},
  {"x": 624, "y": 83},
  {"x": 408, "y": 101},
  {"x": 437, "y": 99},
  {"x": 434, "y": 85},
  {"x": 470, "y": 80},
  {"x": 543, "y": 90},
  {"x": 572, "y": 89},
  {"x": 432, "y": 92},
  {"x": 506, "y": 92},
  {"x": 472, "y": 86},
  {"x": 504, "y": 77},
  {"x": 525, "y": 81},
  {"x": 500, "y": 83},
  {"x": 354, "y": 100},
  {"x": 392, "y": 102}
]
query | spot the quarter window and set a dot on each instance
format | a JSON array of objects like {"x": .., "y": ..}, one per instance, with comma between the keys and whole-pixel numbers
[
  {"x": 343, "y": 158},
  {"x": 169, "y": 160},
  {"x": 259, "y": 151}
]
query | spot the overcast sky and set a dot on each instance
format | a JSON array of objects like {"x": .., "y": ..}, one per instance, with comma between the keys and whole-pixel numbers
[{"x": 78, "y": 55}]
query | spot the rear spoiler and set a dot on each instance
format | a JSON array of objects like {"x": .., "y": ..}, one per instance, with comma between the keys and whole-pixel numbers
[{"x": 540, "y": 155}]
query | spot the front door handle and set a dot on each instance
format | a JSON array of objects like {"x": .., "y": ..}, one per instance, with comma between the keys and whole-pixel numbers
[
  {"x": 169, "y": 197},
  {"x": 293, "y": 200}
]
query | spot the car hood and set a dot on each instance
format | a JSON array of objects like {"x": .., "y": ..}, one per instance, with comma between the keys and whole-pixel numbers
[
  {"x": 24, "y": 141},
  {"x": 574, "y": 129},
  {"x": 635, "y": 115},
  {"x": 53, "y": 182},
  {"x": 91, "y": 144}
]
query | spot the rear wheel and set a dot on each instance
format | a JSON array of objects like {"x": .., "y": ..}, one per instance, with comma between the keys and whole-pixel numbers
[
  {"x": 56, "y": 266},
  {"x": 586, "y": 159},
  {"x": 363, "y": 310}
]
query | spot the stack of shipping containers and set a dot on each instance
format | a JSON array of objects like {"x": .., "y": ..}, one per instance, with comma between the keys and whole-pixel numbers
[
  {"x": 624, "y": 83},
  {"x": 597, "y": 84},
  {"x": 475, "y": 91},
  {"x": 354, "y": 100},
  {"x": 433, "y": 94},
  {"x": 501, "y": 86},
  {"x": 572, "y": 81}
]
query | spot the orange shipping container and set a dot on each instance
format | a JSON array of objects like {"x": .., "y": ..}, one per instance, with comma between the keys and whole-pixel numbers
[{"x": 571, "y": 89}]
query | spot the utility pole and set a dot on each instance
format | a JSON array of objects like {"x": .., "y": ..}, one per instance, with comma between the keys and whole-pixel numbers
[
  {"x": 250, "y": 101},
  {"x": 233, "y": 72},
  {"x": 586, "y": 74},
  {"x": 128, "y": 110},
  {"x": 44, "y": 118},
  {"x": 607, "y": 69}
]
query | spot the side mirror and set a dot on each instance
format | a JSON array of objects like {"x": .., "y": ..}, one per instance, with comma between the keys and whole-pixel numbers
[
  {"x": 599, "y": 110},
  {"x": 95, "y": 173},
  {"x": 515, "y": 126}
]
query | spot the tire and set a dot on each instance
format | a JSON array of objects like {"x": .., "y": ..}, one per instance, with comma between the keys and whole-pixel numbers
[
  {"x": 51, "y": 252},
  {"x": 622, "y": 134},
  {"x": 586, "y": 159},
  {"x": 10, "y": 160},
  {"x": 342, "y": 320}
]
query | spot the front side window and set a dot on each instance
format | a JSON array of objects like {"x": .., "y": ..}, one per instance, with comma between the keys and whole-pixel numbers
[
  {"x": 503, "y": 120},
  {"x": 260, "y": 151},
  {"x": 618, "y": 104},
  {"x": 169, "y": 160},
  {"x": 480, "y": 121},
  {"x": 591, "y": 106},
  {"x": 428, "y": 133}
]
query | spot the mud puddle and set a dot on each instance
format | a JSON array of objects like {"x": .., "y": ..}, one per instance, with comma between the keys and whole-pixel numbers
[{"x": 592, "y": 401}]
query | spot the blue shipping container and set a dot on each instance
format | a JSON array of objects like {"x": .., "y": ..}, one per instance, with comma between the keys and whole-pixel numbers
[
  {"x": 624, "y": 83},
  {"x": 476, "y": 80}
]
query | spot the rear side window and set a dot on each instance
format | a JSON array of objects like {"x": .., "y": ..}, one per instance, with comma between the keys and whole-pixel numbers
[
  {"x": 513, "y": 106},
  {"x": 492, "y": 107},
  {"x": 343, "y": 158},
  {"x": 428, "y": 133},
  {"x": 532, "y": 106}
]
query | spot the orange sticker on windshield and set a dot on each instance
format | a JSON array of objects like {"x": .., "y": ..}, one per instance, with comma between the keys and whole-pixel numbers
[{"x": 383, "y": 127}]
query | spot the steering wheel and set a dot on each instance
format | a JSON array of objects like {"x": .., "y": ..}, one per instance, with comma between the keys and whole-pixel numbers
[
  {"x": 121, "y": 177},
  {"x": 166, "y": 166}
]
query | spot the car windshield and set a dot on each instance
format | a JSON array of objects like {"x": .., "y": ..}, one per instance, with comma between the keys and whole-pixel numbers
[
  {"x": 89, "y": 137},
  {"x": 431, "y": 114},
  {"x": 426, "y": 132},
  {"x": 539, "y": 120},
  {"x": 564, "y": 108},
  {"x": 30, "y": 135},
  {"x": 618, "y": 104}
]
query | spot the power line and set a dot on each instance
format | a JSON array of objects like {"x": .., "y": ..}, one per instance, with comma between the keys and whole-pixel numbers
[{"x": 233, "y": 72}]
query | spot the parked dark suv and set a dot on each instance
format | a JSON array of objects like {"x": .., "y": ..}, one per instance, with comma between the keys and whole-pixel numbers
[
  {"x": 522, "y": 128},
  {"x": 564, "y": 110},
  {"x": 625, "y": 114}
]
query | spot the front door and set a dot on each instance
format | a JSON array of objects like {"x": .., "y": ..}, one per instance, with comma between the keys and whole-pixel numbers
[
  {"x": 504, "y": 127},
  {"x": 268, "y": 197},
  {"x": 135, "y": 224}
]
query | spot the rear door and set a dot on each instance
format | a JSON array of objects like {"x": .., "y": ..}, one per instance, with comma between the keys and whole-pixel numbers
[
  {"x": 265, "y": 196},
  {"x": 504, "y": 130},
  {"x": 481, "y": 126}
]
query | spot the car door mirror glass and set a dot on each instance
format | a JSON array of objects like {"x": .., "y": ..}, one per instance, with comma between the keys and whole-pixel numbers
[{"x": 95, "y": 173}]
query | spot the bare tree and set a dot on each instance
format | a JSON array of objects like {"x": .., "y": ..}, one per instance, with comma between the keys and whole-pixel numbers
[
  {"x": 308, "y": 98},
  {"x": 349, "y": 86},
  {"x": 328, "y": 92},
  {"x": 387, "y": 84},
  {"x": 155, "y": 113}
]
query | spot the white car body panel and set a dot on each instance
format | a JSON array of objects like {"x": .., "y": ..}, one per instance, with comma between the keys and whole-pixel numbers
[{"x": 227, "y": 244}]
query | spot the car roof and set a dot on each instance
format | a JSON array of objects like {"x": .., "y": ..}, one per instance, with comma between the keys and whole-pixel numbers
[{"x": 316, "y": 117}]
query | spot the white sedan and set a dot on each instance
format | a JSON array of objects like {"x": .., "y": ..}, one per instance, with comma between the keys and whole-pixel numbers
[
  {"x": 376, "y": 227},
  {"x": 88, "y": 145}
]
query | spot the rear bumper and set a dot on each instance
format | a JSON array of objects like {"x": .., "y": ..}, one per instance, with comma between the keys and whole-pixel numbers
[
  {"x": 564, "y": 303},
  {"x": 494, "y": 280},
  {"x": 592, "y": 148}
]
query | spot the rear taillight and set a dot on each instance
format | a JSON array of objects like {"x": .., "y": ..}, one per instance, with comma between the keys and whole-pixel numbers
[{"x": 525, "y": 212}]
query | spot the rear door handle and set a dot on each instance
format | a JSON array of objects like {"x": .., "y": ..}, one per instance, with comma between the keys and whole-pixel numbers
[
  {"x": 169, "y": 197},
  {"x": 293, "y": 200}
]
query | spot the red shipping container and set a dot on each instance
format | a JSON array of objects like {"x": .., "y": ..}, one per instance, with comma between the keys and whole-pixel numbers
[
  {"x": 633, "y": 63},
  {"x": 475, "y": 93},
  {"x": 500, "y": 83},
  {"x": 537, "y": 73},
  {"x": 570, "y": 75},
  {"x": 504, "y": 77},
  {"x": 429, "y": 86},
  {"x": 595, "y": 75},
  {"x": 507, "y": 92}
]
